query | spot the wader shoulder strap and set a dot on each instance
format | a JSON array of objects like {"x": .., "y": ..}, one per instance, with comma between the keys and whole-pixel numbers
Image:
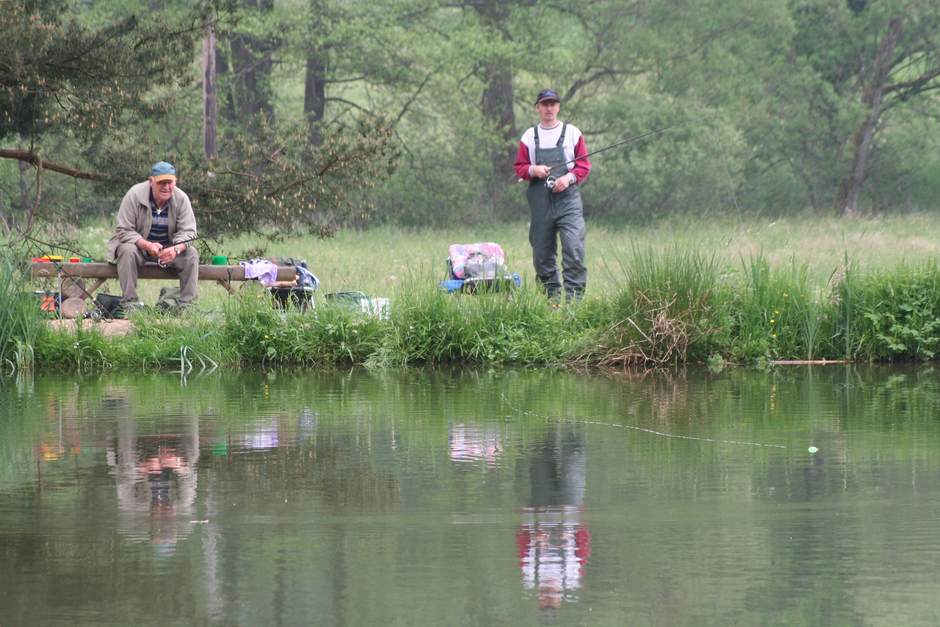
[
  {"x": 535, "y": 133},
  {"x": 561, "y": 138}
]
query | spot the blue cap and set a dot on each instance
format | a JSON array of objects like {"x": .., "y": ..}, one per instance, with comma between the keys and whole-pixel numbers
[
  {"x": 163, "y": 171},
  {"x": 547, "y": 94}
]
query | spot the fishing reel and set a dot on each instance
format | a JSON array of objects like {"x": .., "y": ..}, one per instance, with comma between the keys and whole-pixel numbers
[{"x": 550, "y": 181}]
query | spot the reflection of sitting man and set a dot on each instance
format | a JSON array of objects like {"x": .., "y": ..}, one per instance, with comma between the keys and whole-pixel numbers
[
  {"x": 553, "y": 543},
  {"x": 156, "y": 483}
]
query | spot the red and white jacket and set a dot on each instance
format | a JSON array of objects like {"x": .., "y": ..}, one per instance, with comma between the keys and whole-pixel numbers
[{"x": 574, "y": 146}]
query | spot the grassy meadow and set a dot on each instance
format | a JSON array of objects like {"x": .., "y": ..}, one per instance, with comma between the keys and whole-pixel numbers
[
  {"x": 716, "y": 290},
  {"x": 386, "y": 261}
]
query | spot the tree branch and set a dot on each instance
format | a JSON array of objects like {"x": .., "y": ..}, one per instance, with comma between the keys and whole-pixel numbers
[
  {"x": 36, "y": 161},
  {"x": 411, "y": 100},
  {"x": 915, "y": 84},
  {"x": 351, "y": 104}
]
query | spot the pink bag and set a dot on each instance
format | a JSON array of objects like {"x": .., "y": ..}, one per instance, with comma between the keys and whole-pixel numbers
[{"x": 484, "y": 260}]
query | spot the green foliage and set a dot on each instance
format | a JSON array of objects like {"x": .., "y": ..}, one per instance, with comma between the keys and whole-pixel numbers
[
  {"x": 255, "y": 332},
  {"x": 274, "y": 182},
  {"x": 60, "y": 75},
  {"x": 899, "y": 316},
  {"x": 82, "y": 351},
  {"x": 338, "y": 113},
  {"x": 429, "y": 328},
  {"x": 499, "y": 328},
  {"x": 671, "y": 307}
]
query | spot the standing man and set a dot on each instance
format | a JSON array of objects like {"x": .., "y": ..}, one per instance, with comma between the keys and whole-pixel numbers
[
  {"x": 552, "y": 157},
  {"x": 155, "y": 223}
]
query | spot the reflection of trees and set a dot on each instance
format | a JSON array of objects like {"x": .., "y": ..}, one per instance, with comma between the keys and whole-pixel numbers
[
  {"x": 293, "y": 470},
  {"x": 350, "y": 473}
]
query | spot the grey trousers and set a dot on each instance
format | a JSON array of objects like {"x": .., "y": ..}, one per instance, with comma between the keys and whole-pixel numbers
[
  {"x": 130, "y": 259},
  {"x": 560, "y": 218}
]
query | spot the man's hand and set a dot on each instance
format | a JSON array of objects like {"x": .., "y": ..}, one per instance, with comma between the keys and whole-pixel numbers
[
  {"x": 561, "y": 184},
  {"x": 540, "y": 171},
  {"x": 167, "y": 255},
  {"x": 151, "y": 248}
]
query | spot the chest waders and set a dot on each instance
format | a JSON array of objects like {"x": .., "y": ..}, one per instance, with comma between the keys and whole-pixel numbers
[{"x": 556, "y": 216}]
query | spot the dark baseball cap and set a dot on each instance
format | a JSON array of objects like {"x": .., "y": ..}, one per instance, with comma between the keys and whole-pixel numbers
[{"x": 547, "y": 94}]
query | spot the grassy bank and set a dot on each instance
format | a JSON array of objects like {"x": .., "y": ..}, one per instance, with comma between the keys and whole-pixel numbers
[
  {"x": 724, "y": 291},
  {"x": 672, "y": 308}
]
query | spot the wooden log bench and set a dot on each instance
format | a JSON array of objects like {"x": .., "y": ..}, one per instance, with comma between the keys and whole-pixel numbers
[{"x": 101, "y": 272}]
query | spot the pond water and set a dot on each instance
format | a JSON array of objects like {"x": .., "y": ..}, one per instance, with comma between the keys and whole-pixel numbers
[{"x": 472, "y": 498}]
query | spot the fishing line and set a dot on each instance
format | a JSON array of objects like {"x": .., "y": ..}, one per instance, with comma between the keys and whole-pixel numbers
[
  {"x": 551, "y": 178},
  {"x": 651, "y": 431},
  {"x": 683, "y": 437}
]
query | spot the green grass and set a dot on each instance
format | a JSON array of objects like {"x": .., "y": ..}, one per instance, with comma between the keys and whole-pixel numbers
[
  {"x": 382, "y": 261},
  {"x": 726, "y": 290}
]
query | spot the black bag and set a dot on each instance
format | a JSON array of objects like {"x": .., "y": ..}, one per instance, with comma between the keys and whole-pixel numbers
[
  {"x": 109, "y": 306},
  {"x": 169, "y": 300}
]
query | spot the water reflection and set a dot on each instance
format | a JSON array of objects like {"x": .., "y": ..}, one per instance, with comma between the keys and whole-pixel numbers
[
  {"x": 155, "y": 472},
  {"x": 427, "y": 498},
  {"x": 468, "y": 443},
  {"x": 553, "y": 540}
]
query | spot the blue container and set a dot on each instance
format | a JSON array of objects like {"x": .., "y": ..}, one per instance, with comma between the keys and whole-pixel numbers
[{"x": 451, "y": 285}]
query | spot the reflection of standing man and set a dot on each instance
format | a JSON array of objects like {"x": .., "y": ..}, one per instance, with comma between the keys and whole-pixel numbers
[
  {"x": 553, "y": 150},
  {"x": 553, "y": 543}
]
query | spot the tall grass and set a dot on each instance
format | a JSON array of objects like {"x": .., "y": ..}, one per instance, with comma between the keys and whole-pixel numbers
[
  {"x": 779, "y": 314},
  {"x": 253, "y": 332},
  {"x": 19, "y": 316},
  {"x": 666, "y": 310},
  {"x": 498, "y": 328}
]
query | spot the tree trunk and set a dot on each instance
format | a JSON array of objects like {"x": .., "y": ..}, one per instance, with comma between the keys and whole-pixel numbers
[
  {"x": 315, "y": 96},
  {"x": 498, "y": 112},
  {"x": 315, "y": 79},
  {"x": 872, "y": 95},
  {"x": 209, "y": 108},
  {"x": 251, "y": 67},
  {"x": 497, "y": 101}
]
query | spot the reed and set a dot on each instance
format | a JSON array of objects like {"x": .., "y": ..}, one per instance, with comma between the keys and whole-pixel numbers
[{"x": 19, "y": 316}]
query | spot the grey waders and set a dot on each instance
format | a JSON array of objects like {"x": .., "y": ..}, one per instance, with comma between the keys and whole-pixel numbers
[{"x": 554, "y": 216}]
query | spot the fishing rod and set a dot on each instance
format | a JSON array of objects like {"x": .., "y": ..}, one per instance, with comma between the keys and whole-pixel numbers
[
  {"x": 187, "y": 242},
  {"x": 551, "y": 178}
]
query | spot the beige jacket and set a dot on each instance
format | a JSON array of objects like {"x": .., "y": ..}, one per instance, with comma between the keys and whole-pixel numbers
[{"x": 134, "y": 220}]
